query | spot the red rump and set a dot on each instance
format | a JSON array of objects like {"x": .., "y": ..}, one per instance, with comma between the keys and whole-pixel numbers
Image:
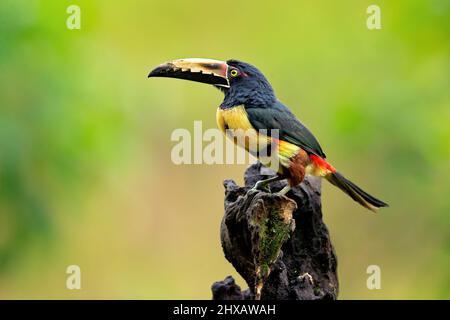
[{"x": 321, "y": 163}]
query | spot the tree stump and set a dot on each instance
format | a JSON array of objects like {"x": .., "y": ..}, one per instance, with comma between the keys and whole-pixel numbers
[{"x": 278, "y": 244}]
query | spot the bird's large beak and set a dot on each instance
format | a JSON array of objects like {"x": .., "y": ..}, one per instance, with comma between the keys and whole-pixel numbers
[{"x": 201, "y": 70}]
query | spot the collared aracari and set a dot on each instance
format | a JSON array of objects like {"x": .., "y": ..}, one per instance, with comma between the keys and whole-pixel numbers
[{"x": 250, "y": 104}]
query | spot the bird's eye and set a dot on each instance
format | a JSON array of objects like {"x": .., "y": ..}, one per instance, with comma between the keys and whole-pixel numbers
[{"x": 234, "y": 73}]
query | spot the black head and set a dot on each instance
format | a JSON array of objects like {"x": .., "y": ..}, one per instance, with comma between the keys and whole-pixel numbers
[
  {"x": 241, "y": 82},
  {"x": 248, "y": 86}
]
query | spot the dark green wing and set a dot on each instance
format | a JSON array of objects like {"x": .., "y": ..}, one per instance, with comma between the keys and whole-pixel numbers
[{"x": 290, "y": 129}]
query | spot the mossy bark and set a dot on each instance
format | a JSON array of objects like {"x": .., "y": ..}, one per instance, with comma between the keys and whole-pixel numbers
[{"x": 279, "y": 245}]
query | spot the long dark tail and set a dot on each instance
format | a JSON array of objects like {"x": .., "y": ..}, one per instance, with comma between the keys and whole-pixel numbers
[{"x": 355, "y": 192}]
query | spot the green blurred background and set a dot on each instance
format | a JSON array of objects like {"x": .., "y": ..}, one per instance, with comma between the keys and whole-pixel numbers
[{"x": 85, "y": 170}]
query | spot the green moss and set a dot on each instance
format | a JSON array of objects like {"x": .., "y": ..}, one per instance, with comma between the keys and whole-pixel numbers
[
  {"x": 317, "y": 291},
  {"x": 274, "y": 231}
]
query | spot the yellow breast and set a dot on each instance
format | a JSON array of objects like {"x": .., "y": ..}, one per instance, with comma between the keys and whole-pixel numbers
[
  {"x": 233, "y": 118},
  {"x": 235, "y": 124}
]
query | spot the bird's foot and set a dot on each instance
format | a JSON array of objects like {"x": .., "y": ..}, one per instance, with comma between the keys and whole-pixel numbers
[
  {"x": 261, "y": 186},
  {"x": 283, "y": 191}
]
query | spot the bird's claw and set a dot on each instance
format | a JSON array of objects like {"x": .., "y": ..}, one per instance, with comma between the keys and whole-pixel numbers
[
  {"x": 261, "y": 187},
  {"x": 283, "y": 191}
]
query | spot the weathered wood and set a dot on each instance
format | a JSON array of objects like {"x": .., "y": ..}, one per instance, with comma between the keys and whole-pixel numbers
[{"x": 279, "y": 245}]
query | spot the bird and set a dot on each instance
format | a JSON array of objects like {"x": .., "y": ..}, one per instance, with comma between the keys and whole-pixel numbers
[{"x": 250, "y": 103}]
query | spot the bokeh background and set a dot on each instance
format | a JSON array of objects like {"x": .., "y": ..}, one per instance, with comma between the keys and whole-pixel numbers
[{"x": 85, "y": 170}]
